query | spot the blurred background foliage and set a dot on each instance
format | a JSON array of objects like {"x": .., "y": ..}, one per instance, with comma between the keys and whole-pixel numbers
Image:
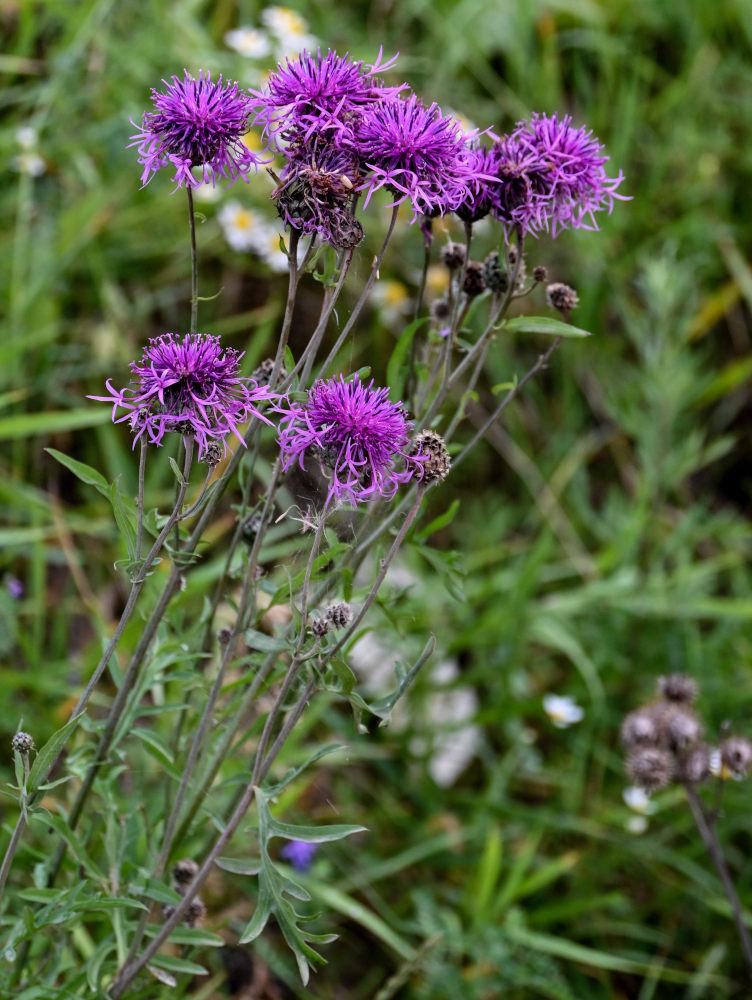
[{"x": 602, "y": 536}]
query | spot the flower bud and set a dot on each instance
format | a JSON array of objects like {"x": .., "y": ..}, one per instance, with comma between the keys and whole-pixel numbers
[
  {"x": 22, "y": 743},
  {"x": 650, "y": 768},
  {"x": 695, "y": 767},
  {"x": 474, "y": 283},
  {"x": 319, "y": 627},
  {"x": 736, "y": 754},
  {"x": 263, "y": 374},
  {"x": 437, "y": 463},
  {"x": 441, "y": 312},
  {"x": 184, "y": 873},
  {"x": 639, "y": 729},
  {"x": 682, "y": 728},
  {"x": 495, "y": 274},
  {"x": 453, "y": 255},
  {"x": 339, "y": 614},
  {"x": 678, "y": 687},
  {"x": 540, "y": 274},
  {"x": 214, "y": 453},
  {"x": 561, "y": 297}
]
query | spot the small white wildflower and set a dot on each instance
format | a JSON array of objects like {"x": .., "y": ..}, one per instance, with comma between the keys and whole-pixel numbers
[
  {"x": 267, "y": 247},
  {"x": 391, "y": 298},
  {"x": 249, "y": 42},
  {"x": 208, "y": 194},
  {"x": 562, "y": 710},
  {"x": 29, "y": 163},
  {"x": 638, "y": 800},
  {"x": 242, "y": 227},
  {"x": 636, "y": 824},
  {"x": 27, "y": 137},
  {"x": 290, "y": 30}
]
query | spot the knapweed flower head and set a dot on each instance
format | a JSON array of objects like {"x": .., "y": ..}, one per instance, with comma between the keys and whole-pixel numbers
[
  {"x": 197, "y": 124},
  {"x": 483, "y": 165},
  {"x": 192, "y": 386},
  {"x": 316, "y": 92},
  {"x": 417, "y": 153},
  {"x": 359, "y": 436},
  {"x": 552, "y": 177}
]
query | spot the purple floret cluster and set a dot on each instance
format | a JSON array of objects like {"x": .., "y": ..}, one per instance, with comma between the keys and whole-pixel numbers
[
  {"x": 361, "y": 439},
  {"x": 342, "y": 133},
  {"x": 192, "y": 386}
]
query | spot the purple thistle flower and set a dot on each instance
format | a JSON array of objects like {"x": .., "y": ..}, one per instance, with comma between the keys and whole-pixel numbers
[
  {"x": 192, "y": 386},
  {"x": 358, "y": 434},
  {"x": 553, "y": 177},
  {"x": 483, "y": 164},
  {"x": 197, "y": 123},
  {"x": 299, "y": 853},
  {"x": 313, "y": 92},
  {"x": 416, "y": 153}
]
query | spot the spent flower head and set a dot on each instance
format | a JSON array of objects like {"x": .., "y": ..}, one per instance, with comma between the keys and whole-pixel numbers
[
  {"x": 360, "y": 437},
  {"x": 192, "y": 386},
  {"x": 197, "y": 124}
]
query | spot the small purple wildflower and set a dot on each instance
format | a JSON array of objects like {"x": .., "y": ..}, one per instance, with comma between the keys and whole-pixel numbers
[
  {"x": 483, "y": 164},
  {"x": 299, "y": 853},
  {"x": 417, "y": 153},
  {"x": 192, "y": 386},
  {"x": 553, "y": 177},
  {"x": 197, "y": 123},
  {"x": 358, "y": 434},
  {"x": 14, "y": 587},
  {"x": 317, "y": 92}
]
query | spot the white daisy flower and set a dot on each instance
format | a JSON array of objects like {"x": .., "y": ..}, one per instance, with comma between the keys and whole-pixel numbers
[
  {"x": 290, "y": 30},
  {"x": 241, "y": 226},
  {"x": 562, "y": 710},
  {"x": 27, "y": 137},
  {"x": 249, "y": 42},
  {"x": 30, "y": 163},
  {"x": 638, "y": 800}
]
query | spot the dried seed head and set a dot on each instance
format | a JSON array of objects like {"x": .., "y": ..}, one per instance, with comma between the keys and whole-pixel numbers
[
  {"x": 22, "y": 743},
  {"x": 694, "y": 768},
  {"x": 319, "y": 627},
  {"x": 540, "y": 274},
  {"x": 214, "y": 453},
  {"x": 495, "y": 274},
  {"x": 678, "y": 687},
  {"x": 263, "y": 374},
  {"x": 184, "y": 873},
  {"x": 437, "y": 463},
  {"x": 639, "y": 729},
  {"x": 339, "y": 614},
  {"x": 441, "y": 312},
  {"x": 224, "y": 635},
  {"x": 561, "y": 297},
  {"x": 650, "y": 768},
  {"x": 736, "y": 754},
  {"x": 682, "y": 728},
  {"x": 453, "y": 255},
  {"x": 195, "y": 913},
  {"x": 474, "y": 283}
]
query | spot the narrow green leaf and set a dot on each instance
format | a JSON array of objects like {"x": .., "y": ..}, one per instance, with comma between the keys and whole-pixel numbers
[
  {"x": 21, "y": 425},
  {"x": 265, "y": 643},
  {"x": 313, "y": 834},
  {"x": 84, "y": 472},
  {"x": 543, "y": 324},
  {"x": 238, "y": 867},
  {"x": 49, "y": 752}
]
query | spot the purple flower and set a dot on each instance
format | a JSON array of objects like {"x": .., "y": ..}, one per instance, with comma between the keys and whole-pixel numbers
[
  {"x": 315, "y": 192},
  {"x": 553, "y": 177},
  {"x": 14, "y": 586},
  {"x": 197, "y": 123},
  {"x": 314, "y": 92},
  {"x": 299, "y": 853},
  {"x": 191, "y": 386},
  {"x": 358, "y": 434},
  {"x": 416, "y": 153},
  {"x": 483, "y": 165}
]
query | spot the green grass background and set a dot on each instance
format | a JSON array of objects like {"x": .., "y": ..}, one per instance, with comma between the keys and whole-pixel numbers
[{"x": 602, "y": 533}]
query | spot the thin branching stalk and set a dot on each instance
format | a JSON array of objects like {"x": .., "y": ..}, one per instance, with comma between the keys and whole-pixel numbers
[
  {"x": 140, "y": 497},
  {"x": 308, "y": 357},
  {"x": 541, "y": 363},
  {"x": 707, "y": 829},
  {"x": 194, "y": 262},
  {"x": 363, "y": 297}
]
